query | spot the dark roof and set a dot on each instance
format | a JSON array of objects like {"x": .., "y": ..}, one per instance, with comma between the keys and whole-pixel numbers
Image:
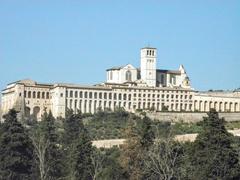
[
  {"x": 148, "y": 48},
  {"x": 115, "y": 68},
  {"x": 168, "y": 71}
]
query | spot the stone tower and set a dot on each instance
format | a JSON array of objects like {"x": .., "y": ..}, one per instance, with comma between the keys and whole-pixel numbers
[{"x": 148, "y": 65}]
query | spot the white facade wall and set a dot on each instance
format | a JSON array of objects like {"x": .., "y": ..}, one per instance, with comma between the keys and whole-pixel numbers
[
  {"x": 119, "y": 75},
  {"x": 89, "y": 99}
]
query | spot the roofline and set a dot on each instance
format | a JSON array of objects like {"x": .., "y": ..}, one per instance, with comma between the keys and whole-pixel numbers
[{"x": 148, "y": 48}]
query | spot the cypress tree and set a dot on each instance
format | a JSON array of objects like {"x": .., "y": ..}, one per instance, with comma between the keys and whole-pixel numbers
[
  {"x": 71, "y": 134},
  {"x": 212, "y": 155},
  {"x": 16, "y": 150},
  {"x": 54, "y": 150},
  {"x": 83, "y": 153}
]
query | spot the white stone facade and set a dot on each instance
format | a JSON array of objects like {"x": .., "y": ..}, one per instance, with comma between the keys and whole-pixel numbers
[{"x": 132, "y": 88}]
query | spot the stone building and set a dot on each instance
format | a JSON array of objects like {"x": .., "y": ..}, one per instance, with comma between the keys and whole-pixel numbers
[{"x": 132, "y": 88}]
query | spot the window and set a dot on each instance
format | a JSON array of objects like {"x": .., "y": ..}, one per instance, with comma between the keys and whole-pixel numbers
[
  {"x": 80, "y": 94},
  {"x": 128, "y": 76},
  {"x": 43, "y": 95},
  {"x": 71, "y": 94},
  {"x": 124, "y": 97},
  {"x": 38, "y": 95},
  {"x": 76, "y": 94},
  {"x": 47, "y": 95},
  {"x": 34, "y": 94},
  {"x": 61, "y": 95},
  {"x": 120, "y": 97}
]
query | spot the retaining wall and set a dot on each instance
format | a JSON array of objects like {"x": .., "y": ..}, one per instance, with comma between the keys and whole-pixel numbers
[{"x": 189, "y": 117}]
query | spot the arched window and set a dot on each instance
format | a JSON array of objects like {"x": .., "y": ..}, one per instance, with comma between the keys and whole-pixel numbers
[
  {"x": 128, "y": 76},
  {"x": 47, "y": 95},
  {"x": 29, "y": 94},
  {"x": 43, "y": 95},
  {"x": 34, "y": 94},
  {"x": 38, "y": 95}
]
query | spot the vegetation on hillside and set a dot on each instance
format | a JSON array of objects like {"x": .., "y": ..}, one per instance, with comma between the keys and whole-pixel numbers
[{"x": 62, "y": 149}]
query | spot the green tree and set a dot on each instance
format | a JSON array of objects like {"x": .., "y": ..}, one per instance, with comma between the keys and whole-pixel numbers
[
  {"x": 71, "y": 126},
  {"x": 16, "y": 150},
  {"x": 77, "y": 147},
  {"x": 212, "y": 155},
  {"x": 54, "y": 153},
  {"x": 83, "y": 153}
]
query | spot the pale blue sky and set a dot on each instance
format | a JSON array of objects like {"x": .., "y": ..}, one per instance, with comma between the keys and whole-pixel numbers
[{"x": 76, "y": 40}]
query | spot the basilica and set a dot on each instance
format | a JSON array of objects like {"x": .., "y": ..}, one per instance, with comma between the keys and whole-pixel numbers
[{"x": 132, "y": 88}]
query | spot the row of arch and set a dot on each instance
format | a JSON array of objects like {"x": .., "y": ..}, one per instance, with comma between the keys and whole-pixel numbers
[
  {"x": 35, "y": 112},
  {"x": 36, "y": 94},
  {"x": 98, "y": 95},
  {"x": 121, "y": 96},
  {"x": 219, "y": 106},
  {"x": 90, "y": 106}
]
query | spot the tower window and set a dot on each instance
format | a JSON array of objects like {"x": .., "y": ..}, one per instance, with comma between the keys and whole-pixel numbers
[{"x": 153, "y": 53}]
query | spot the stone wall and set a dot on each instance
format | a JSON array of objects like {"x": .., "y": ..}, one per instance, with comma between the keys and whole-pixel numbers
[
  {"x": 189, "y": 117},
  {"x": 181, "y": 138}
]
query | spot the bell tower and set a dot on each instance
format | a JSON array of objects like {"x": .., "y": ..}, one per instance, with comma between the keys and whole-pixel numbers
[{"x": 148, "y": 65}]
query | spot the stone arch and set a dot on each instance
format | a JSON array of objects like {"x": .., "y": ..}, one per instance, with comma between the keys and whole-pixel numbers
[
  {"x": 38, "y": 94},
  {"x": 220, "y": 107},
  {"x": 36, "y": 112},
  {"x": 27, "y": 111},
  {"x": 210, "y": 105},
  {"x": 195, "y": 105},
  {"x": 235, "y": 107},
  {"x": 215, "y": 105},
  {"x": 43, "y": 95},
  {"x": 205, "y": 106},
  {"x": 230, "y": 106},
  {"x": 225, "y": 106},
  {"x": 200, "y": 106}
]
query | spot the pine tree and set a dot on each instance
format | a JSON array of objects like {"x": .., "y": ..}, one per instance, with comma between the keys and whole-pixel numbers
[
  {"x": 16, "y": 150},
  {"x": 54, "y": 153},
  {"x": 212, "y": 155},
  {"x": 83, "y": 153},
  {"x": 71, "y": 126}
]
